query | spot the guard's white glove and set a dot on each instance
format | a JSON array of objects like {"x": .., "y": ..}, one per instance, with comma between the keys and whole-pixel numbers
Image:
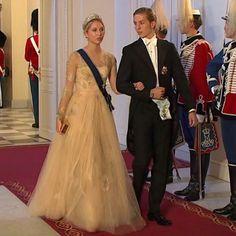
[
  {"x": 200, "y": 118},
  {"x": 215, "y": 89}
]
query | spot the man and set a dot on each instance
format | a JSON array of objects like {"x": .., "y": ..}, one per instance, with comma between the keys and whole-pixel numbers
[
  {"x": 3, "y": 39},
  {"x": 195, "y": 55},
  {"x": 152, "y": 62},
  {"x": 32, "y": 56},
  {"x": 222, "y": 82}
]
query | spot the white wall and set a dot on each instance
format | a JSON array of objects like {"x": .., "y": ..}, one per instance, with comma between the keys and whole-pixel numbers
[
  {"x": 19, "y": 65},
  {"x": 214, "y": 25}
]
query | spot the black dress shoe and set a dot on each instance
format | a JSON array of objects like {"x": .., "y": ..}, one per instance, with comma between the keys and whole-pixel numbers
[
  {"x": 194, "y": 195},
  {"x": 35, "y": 125},
  {"x": 160, "y": 219},
  {"x": 228, "y": 209},
  {"x": 185, "y": 191}
]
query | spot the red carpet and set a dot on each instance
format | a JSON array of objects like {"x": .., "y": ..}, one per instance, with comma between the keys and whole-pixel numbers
[
  {"x": 129, "y": 158},
  {"x": 19, "y": 169}
]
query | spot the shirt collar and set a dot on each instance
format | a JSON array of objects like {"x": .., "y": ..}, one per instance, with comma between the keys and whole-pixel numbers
[{"x": 152, "y": 41}]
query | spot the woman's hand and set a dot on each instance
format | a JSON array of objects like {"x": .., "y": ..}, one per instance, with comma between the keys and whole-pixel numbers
[
  {"x": 59, "y": 125},
  {"x": 139, "y": 86}
]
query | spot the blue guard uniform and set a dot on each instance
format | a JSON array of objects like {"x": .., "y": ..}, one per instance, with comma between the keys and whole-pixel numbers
[{"x": 222, "y": 83}]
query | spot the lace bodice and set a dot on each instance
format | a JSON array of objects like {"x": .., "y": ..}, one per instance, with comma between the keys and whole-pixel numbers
[{"x": 80, "y": 78}]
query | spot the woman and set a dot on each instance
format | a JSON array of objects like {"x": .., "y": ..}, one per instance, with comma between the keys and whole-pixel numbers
[
  {"x": 84, "y": 179},
  {"x": 224, "y": 88}
]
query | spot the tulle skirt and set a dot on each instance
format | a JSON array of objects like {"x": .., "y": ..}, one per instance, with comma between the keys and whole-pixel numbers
[{"x": 84, "y": 178}]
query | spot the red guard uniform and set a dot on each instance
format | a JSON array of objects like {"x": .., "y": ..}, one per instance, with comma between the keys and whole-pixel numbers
[
  {"x": 31, "y": 55},
  {"x": 2, "y": 58},
  {"x": 195, "y": 55}
]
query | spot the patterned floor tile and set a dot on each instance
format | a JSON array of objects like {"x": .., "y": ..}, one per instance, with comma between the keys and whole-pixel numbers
[{"x": 16, "y": 128}]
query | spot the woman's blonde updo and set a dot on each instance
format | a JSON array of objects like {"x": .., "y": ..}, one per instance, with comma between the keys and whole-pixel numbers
[{"x": 90, "y": 19}]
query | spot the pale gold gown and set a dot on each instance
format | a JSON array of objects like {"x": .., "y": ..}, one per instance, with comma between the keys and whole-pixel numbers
[{"x": 84, "y": 178}]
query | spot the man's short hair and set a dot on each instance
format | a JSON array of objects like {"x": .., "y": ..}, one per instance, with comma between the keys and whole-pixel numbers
[{"x": 146, "y": 11}]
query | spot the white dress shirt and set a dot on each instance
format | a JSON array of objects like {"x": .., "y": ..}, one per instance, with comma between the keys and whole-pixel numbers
[
  {"x": 163, "y": 104},
  {"x": 151, "y": 45}
]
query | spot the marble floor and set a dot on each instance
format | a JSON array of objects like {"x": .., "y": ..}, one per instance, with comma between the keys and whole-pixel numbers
[{"x": 15, "y": 129}]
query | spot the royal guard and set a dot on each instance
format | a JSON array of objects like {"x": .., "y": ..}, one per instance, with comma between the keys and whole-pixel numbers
[
  {"x": 223, "y": 86},
  {"x": 195, "y": 54},
  {"x": 163, "y": 23},
  {"x": 32, "y": 56},
  {"x": 3, "y": 39}
]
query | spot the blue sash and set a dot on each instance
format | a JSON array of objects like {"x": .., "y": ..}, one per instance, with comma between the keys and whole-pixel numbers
[{"x": 97, "y": 77}]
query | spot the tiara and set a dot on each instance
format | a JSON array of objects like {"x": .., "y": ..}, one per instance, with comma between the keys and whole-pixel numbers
[{"x": 91, "y": 18}]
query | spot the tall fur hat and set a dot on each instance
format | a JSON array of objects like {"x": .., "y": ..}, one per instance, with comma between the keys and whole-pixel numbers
[
  {"x": 185, "y": 12},
  {"x": 3, "y": 39},
  {"x": 34, "y": 19},
  {"x": 162, "y": 20}
]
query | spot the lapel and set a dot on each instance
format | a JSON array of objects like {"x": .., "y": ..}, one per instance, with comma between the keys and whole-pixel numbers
[
  {"x": 162, "y": 53},
  {"x": 161, "y": 50},
  {"x": 143, "y": 54}
]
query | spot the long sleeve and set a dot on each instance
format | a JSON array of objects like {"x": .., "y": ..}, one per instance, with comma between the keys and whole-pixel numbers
[
  {"x": 213, "y": 70},
  {"x": 113, "y": 73},
  {"x": 180, "y": 79},
  {"x": 30, "y": 53},
  {"x": 125, "y": 79},
  {"x": 69, "y": 85},
  {"x": 198, "y": 78},
  {"x": 1, "y": 63}
]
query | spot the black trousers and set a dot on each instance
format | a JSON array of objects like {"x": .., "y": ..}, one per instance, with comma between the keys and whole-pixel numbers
[
  {"x": 151, "y": 140},
  {"x": 34, "y": 86}
]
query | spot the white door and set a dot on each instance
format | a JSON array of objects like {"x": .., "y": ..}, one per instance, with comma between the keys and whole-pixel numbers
[{"x": 48, "y": 55}]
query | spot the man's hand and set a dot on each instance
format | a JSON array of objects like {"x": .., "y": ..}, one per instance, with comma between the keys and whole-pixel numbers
[
  {"x": 192, "y": 119},
  {"x": 138, "y": 86},
  {"x": 157, "y": 93}
]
